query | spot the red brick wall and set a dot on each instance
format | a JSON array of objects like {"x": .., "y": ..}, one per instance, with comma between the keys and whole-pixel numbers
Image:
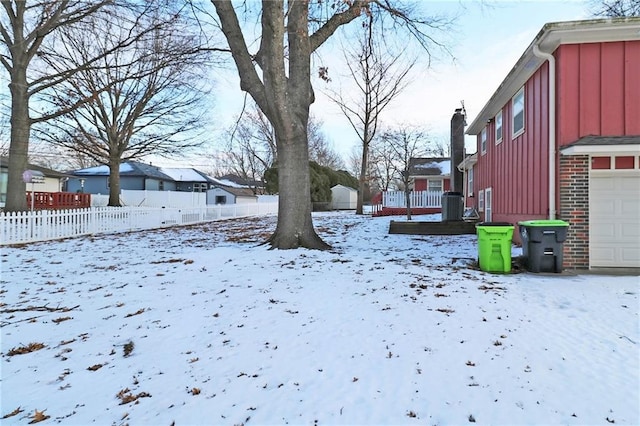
[{"x": 574, "y": 208}]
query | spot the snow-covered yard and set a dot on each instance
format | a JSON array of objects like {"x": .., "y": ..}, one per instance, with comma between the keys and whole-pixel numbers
[{"x": 200, "y": 325}]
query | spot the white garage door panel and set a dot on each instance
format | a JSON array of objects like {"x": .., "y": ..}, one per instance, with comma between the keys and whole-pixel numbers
[
  {"x": 631, "y": 255},
  {"x": 614, "y": 220}
]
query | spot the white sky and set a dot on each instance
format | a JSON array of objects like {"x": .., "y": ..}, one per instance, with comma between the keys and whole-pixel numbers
[
  {"x": 381, "y": 330},
  {"x": 488, "y": 40}
]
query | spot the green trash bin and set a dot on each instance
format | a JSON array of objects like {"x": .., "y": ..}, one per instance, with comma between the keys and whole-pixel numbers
[
  {"x": 542, "y": 244},
  {"x": 494, "y": 246}
]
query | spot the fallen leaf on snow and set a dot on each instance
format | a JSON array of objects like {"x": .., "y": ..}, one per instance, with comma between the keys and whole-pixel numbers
[
  {"x": 38, "y": 416},
  {"x": 13, "y": 413}
]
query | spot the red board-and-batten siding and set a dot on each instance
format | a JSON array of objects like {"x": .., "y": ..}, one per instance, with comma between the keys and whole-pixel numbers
[
  {"x": 422, "y": 183},
  {"x": 515, "y": 169},
  {"x": 604, "y": 80},
  {"x": 591, "y": 99}
]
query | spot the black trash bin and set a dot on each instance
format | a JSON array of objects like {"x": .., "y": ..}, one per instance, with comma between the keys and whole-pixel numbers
[
  {"x": 542, "y": 244},
  {"x": 452, "y": 206}
]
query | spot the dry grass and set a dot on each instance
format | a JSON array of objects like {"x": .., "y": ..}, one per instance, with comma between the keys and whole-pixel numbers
[
  {"x": 125, "y": 396},
  {"x": 21, "y": 350}
]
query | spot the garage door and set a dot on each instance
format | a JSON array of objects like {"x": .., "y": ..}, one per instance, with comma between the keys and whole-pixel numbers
[{"x": 614, "y": 219}]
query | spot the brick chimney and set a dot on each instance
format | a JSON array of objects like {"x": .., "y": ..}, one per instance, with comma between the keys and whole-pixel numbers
[{"x": 457, "y": 150}]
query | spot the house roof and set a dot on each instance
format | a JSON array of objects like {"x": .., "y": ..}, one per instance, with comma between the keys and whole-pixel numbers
[
  {"x": 469, "y": 161},
  {"x": 603, "y": 145},
  {"x": 548, "y": 39},
  {"x": 238, "y": 182},
  {"x": 186, "y": 175},
  {"x": 4, "y": 163},
  {"x": 238, "y": 192},
  {"x": 135, "y": 168},
  {"x": 339, "y": 186},
  {"x": 128, "y": 168},
  {"x": 433, "y": 166}
]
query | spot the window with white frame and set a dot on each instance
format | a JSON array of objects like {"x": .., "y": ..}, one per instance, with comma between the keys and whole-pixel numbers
[
  {"x": 434, "y": 185},
  {"x": 488, "y": 211},
  {"x": 517, "y": 108},
  {"x": 483, "y": 140},
  {"x": 481, "y": 200},
  {"x": 498, "y": 122},
  {"x": 470, "y": 182}
]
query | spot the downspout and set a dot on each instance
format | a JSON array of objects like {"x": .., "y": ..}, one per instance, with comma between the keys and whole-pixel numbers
[{"x": 552, "y": 127}]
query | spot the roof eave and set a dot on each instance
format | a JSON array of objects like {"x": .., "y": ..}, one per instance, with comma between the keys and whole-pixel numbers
[{"x": 548, "y": 39}]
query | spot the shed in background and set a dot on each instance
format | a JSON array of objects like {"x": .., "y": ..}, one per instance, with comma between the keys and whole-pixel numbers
[
  {"x": 229, "y": 195},
  {"x": 343, "y": 198}
]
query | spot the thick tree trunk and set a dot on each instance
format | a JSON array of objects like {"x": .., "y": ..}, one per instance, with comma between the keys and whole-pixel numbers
[
  {"x": 114, "y": 182},
  {"x": 295, "y": 226},
  {"x": 19, "y": 147}
]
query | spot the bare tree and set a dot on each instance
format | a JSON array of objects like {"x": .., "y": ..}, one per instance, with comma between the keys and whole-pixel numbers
[
  {"x": 380, "y": 75},
  {"x": 404, "y": 143},
  {"x": 144, "y": 99},
  {"x": 289, "y": 34},
  {"x": 320, "y": 149},
  {"x": 614, "y": 8},
  {"x": 252, "y": 145},
  {"x": 24, "y": 26},
  {"x": 353, "y": 161},
  {"x": 382, "y": 169}
]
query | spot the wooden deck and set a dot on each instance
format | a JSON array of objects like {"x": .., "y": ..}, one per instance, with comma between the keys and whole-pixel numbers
[{"x": 432, "y": 228}]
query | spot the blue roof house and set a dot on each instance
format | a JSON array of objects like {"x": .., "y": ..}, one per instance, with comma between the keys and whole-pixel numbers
[{"x": 133, "y": 176}]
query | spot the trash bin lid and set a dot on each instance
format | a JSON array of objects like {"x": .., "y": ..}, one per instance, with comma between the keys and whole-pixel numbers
[
  {"x": 494, "y": 224},
  {"x": 544, "y": 222}
]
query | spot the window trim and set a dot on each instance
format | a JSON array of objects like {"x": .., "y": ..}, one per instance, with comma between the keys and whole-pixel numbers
[
  {"x": 497, "y": 119},
  {"x": 488, "y": 205},
  {"x": 470, "y": 182},
  {"x": 483, "y": 140},
  {"x": 517, "y": 132},
  {"x": 481, "y": 200},
  {"x": 441, "y": 185}
]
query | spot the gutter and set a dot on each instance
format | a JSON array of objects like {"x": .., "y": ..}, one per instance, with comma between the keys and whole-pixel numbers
[{"x": 552, "y": 127}]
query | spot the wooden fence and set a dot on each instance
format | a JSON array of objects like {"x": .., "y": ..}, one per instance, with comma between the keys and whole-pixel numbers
[
  {"x": 44, "y": 225},
  {"x": 57, "y": 200}
]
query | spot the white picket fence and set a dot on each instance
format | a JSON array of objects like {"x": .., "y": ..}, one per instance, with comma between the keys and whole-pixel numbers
[
  {"x": 43, "y": 225},
  {"x": 429, "y": 199}
]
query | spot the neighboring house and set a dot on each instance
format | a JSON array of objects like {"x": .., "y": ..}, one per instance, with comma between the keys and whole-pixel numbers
[
  {"x": 428, "y": 179},
  {"x": 189, "y": 180},
  {"x": 133, "y": 176},
  {"x": 560, "y": 138},
  {"x": 53, "y": 180},
  {"x": 343, "y": 198},
  {"x": 221, "y": 194},
  {"x": 140, "y": 176},
  {"x": 430, "y": 174}
]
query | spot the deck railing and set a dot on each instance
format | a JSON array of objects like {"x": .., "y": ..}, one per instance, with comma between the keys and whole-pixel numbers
[
  {"x": 57, "y": 200},
  {"x": 418, "y": 199}
]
